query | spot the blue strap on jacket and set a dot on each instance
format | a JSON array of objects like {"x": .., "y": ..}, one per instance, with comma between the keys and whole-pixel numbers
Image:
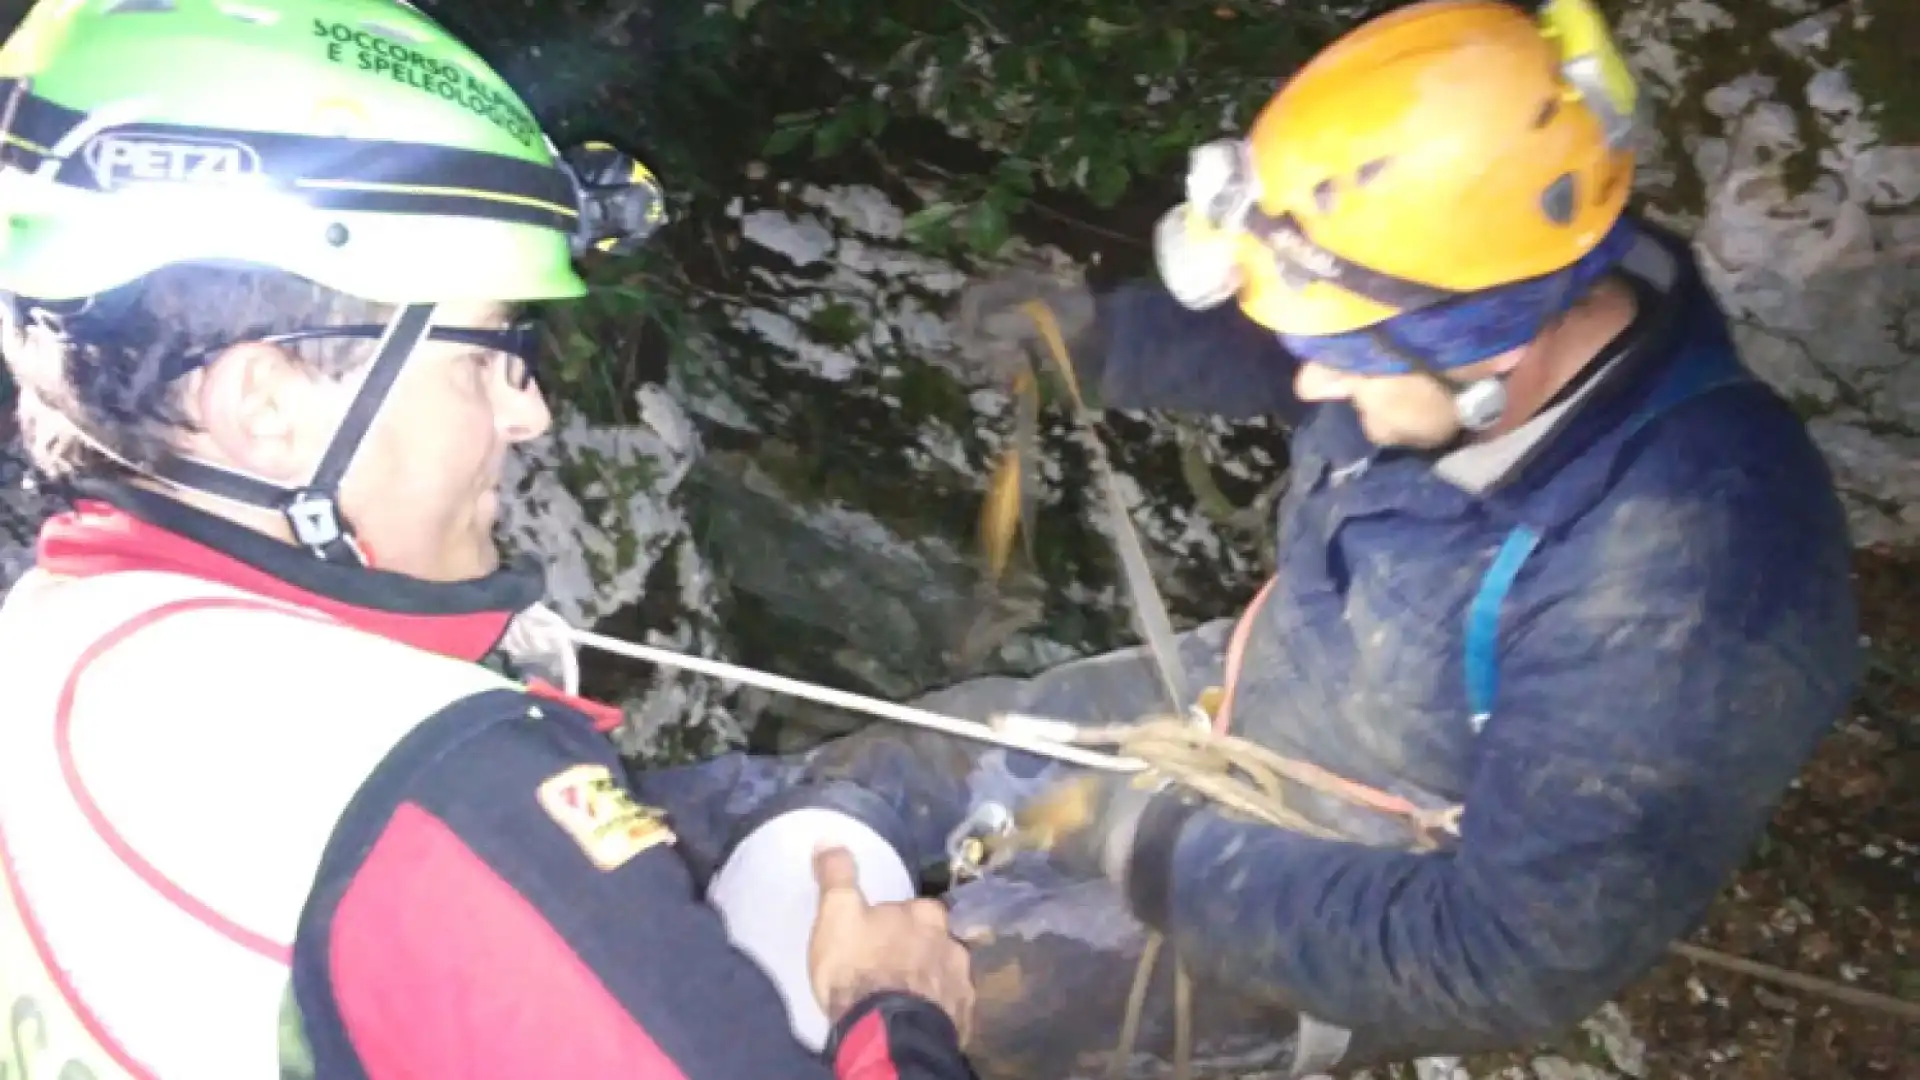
[{"x": 1701, "y": 373}]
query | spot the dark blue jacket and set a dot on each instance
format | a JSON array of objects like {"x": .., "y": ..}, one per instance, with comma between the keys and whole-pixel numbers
[{"x": 1668, "y": 655}]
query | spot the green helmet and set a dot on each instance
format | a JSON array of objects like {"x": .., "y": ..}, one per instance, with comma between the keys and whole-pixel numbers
[{"x": 355, "y": 143}]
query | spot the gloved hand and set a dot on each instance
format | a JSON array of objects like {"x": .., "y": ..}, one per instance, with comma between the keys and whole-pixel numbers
[
  {"x": 1000, "y": 341},
  {"x": 1119, "y": 826}
]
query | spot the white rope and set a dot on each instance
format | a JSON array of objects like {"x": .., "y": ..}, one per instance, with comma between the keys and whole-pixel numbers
[{"x": 860, "y": 703}]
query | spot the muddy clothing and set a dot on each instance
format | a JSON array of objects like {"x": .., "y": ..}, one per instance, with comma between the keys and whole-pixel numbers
[
  {"x": 1668, "y": 655},
  {"x": 374, "y": 856},
  {"x": 1663, "y": 660},
  {"x": 1661, "y": 663}
]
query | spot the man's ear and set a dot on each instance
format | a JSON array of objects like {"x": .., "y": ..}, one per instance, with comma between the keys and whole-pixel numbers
[
  {"x": 250, "y": 408},
  {"x": 1504, "y": 363}
]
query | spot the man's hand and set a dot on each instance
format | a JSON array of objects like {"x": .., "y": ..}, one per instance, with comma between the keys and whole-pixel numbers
[
  {"x": 1000, "y": 341},
  {"x": 861, "y": 949}
]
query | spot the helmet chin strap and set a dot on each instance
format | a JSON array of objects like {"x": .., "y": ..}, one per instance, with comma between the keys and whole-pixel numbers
[
  {"x": 1477, "y": 405},
  {"x": 312, "y": 511},
  {"x": 1482, "y": 403}
]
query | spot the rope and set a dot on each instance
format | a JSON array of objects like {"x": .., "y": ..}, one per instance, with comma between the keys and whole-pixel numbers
[
  {"x": 1226, "y": 769},
  {"x": 1239, "y": 776},
  {"x": 1192, "y": 748},
  {"x": 852, "y": 702},
  {"x": 1246, "y": 778},
  {"x": 1149, "y": 610}
]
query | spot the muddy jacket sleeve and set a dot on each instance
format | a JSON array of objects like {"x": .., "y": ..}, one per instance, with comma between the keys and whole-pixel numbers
[
  {"x": 494, "y": 903},
  {"x": 1653, "y": 709},
  {"x": 1156, "y": 354}
]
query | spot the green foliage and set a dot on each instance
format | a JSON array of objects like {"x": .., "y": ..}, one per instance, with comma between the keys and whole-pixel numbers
[
  {"x": 1081, "y": 95},
  {"x": 1882, "y": 47}
]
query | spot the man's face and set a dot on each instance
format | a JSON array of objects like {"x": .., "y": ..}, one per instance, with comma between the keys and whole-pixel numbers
[
  {"x": 1411, "y": 411},
  {"x": 423, "y": 492}
]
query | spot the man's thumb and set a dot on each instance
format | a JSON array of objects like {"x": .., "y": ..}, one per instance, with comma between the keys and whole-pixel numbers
[{"x": 834, "y": 870}]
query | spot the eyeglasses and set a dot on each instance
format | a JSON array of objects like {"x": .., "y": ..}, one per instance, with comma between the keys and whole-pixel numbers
[{"x": 519, "y": 342}]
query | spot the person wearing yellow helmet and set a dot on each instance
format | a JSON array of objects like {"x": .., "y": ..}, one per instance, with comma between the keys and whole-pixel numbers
[
  {"x": 1562, "y": 589},
  {"x": 280, "y": 787},
  {"x": 1400, "y": 210}
]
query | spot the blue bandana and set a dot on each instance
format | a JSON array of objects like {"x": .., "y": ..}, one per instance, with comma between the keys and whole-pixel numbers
[{"x": 1472, "y": 329}]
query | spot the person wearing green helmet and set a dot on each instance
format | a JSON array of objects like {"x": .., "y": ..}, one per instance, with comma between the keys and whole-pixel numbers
[{"x": 280, "y": 786}]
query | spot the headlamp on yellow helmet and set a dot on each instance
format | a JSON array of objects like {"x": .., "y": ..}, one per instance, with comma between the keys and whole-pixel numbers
[
  {"x": 1220, "y": 242},
  {"x": 1196, "y": 244}
]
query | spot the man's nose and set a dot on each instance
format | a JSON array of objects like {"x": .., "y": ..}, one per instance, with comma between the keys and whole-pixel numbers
[
  {"x": 1318, "y": 382},
  {"x": 520, "y": 412}
]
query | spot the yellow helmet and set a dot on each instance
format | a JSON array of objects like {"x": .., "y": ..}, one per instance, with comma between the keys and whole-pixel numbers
[{"x": 1448, "y": 148}]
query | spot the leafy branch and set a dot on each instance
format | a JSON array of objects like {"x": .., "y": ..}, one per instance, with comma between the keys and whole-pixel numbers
[{"x": 1082, "y": 96}]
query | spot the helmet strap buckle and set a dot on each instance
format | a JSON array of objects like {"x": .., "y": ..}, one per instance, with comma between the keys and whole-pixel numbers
[{"x": 314, "y": 519}]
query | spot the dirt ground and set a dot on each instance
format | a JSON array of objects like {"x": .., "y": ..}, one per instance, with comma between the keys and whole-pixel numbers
[{"x": 1833, "y": 892}]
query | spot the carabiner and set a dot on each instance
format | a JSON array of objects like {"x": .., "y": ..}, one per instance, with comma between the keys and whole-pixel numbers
[{"x": 969, "y": 845}]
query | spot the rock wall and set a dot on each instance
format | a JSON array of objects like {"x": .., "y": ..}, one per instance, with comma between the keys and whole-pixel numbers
[{"x": 1789, "y": 144}]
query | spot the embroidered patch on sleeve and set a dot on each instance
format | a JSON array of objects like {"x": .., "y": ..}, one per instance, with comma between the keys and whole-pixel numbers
[{"x": 601, "y": 816}]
